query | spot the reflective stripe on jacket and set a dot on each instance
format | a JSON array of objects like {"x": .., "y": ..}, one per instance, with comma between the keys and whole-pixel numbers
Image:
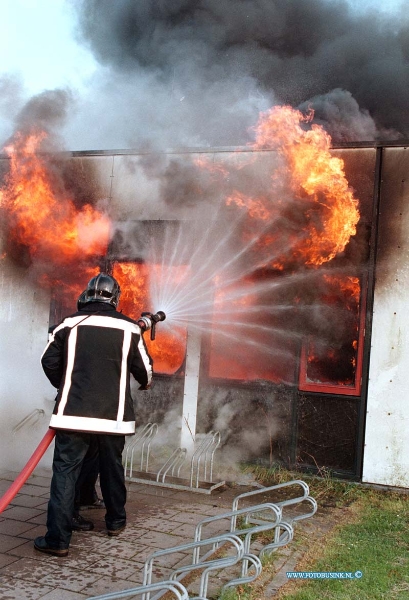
[{"x": 89, "y": 358}]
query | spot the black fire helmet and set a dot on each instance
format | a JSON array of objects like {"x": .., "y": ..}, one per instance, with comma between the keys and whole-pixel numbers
[{"x": 102, "y": 288}]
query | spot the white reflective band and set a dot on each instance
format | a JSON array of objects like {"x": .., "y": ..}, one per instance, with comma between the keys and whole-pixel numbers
[
  {"x": 145, "y": 359},
  {"x": 72, "y": 342},
  {"x": 124, "y": 374},
  {"x": 92, "y": 425}
]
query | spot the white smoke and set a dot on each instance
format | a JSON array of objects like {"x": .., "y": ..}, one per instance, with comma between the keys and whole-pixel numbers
[{"x": 26, "y": 396}]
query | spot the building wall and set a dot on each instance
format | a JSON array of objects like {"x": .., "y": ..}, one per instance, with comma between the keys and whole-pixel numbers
[
  {"x": 26, "y": 397},
  {"x": 386, "y": 451}
]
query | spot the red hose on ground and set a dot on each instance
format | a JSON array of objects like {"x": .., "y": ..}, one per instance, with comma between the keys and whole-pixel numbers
[{"x": 27, "y": 470}]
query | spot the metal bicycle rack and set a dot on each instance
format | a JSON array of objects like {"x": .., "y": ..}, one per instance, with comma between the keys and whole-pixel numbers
[
  {"x": 206, "y": 449},
  {"x": 207, "y": 563},
  {"x": 175, "y": 587},
  {"x": 137, "y": 455},
  {"x": 297, "y": 500},
  {"x": 235, "y": 550},
  {"x": 273, "y": 521}
]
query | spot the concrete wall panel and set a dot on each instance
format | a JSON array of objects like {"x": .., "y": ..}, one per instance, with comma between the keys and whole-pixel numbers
[{"x": 386, "y": 452}]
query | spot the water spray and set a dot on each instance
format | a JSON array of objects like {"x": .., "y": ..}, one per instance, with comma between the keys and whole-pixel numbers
[{"x": 148, "y": 321}]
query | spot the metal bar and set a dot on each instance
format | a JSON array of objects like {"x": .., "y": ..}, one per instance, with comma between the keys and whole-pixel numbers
[
  {"x": 207, "y": 450},
  {"x": 170, "y": 586},
  {"x": 214, "y": 149},
  {"x": 279, "y": 539},
  {"x": 238, "y": 581},
  {"x": 216, "y": 440},
  {"x": 130, "y": 444},
  {"x": 150, "y": 434},
  {"x": 211, "y": 440},
  {"x": 174, "y": 457},
  {"x": 143, "y": 436},
  {"x": 171, "y": 470},
  {"x": 176, "y": 467},
  {"x": 211, "y": 564},
  {"x": 283, "y": 503},
  {"x": 272, "y": 488},
  {"x": 245, "y": 578},
  {"x": 197, "y": 456},
  {"x": 308, "y": 499},
  {"x": 266, "y": 525},
  {"x": 177, "y": 486}
]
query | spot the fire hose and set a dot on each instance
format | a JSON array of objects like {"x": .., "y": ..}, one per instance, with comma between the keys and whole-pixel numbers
[{"x": 27, "y": 470}]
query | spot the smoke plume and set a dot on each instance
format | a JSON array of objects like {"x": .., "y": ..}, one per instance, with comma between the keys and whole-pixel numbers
[{"x": 197, "y": 72}]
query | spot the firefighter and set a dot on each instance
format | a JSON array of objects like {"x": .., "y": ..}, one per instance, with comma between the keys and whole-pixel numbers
[
  {"x": 89, "y": 359},
  {"x": 86, "y": 496}
]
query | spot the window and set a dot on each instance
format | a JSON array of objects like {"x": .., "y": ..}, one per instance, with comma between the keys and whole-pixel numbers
[{"x": 334, "y": 364}]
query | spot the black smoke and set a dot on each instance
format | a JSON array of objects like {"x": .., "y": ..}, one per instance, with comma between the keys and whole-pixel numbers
[
  {"x": 207, "y": 54},
  {"x": 45, "y": 112}
]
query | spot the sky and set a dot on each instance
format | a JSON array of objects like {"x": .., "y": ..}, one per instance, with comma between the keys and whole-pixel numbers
[
  {"x": 38, "y": 45},
  {"x": 41, "y": 49}
]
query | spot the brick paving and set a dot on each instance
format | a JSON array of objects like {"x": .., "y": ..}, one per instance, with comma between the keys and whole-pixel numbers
[{"x": 158, "y": 518}]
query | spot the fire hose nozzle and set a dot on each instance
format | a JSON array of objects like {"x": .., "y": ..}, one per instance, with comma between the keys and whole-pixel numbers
[
  {"x": 148, "y": 320},
  {"x": 159, "y": 316}
]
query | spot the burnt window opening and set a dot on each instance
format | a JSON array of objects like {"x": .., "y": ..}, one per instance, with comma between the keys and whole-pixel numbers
[
  {"x": 169, "y": 347},
  {"x": 333, "y": 365},
  {"x": 139, "y": 258},
  {"x": 248, "y": 341},
  {"x": 316, "y": 428}
]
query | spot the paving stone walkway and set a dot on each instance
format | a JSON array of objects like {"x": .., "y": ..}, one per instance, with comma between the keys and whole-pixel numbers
[{"x": 158, "y": 518}]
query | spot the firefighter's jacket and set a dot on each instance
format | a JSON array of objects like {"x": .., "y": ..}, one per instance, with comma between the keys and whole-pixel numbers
[{"x": 89, "y": 358}]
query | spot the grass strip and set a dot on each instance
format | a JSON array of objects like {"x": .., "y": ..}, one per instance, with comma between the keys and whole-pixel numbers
[
  {"x": 372, "y": 536},
  {"x": 376, "y": 543}
]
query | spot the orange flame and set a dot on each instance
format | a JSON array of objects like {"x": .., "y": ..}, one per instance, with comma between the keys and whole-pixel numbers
[
  {"x": 349, "y": 286},
  {"x": 222, "y": 362},
  {"x": 314, "y": 175},
  {"x": 256, "y": 207},
  {"x": 68, "y": 289},
  {"x": 45, "y": 222},
  {"x": 314, "y": 178}
]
